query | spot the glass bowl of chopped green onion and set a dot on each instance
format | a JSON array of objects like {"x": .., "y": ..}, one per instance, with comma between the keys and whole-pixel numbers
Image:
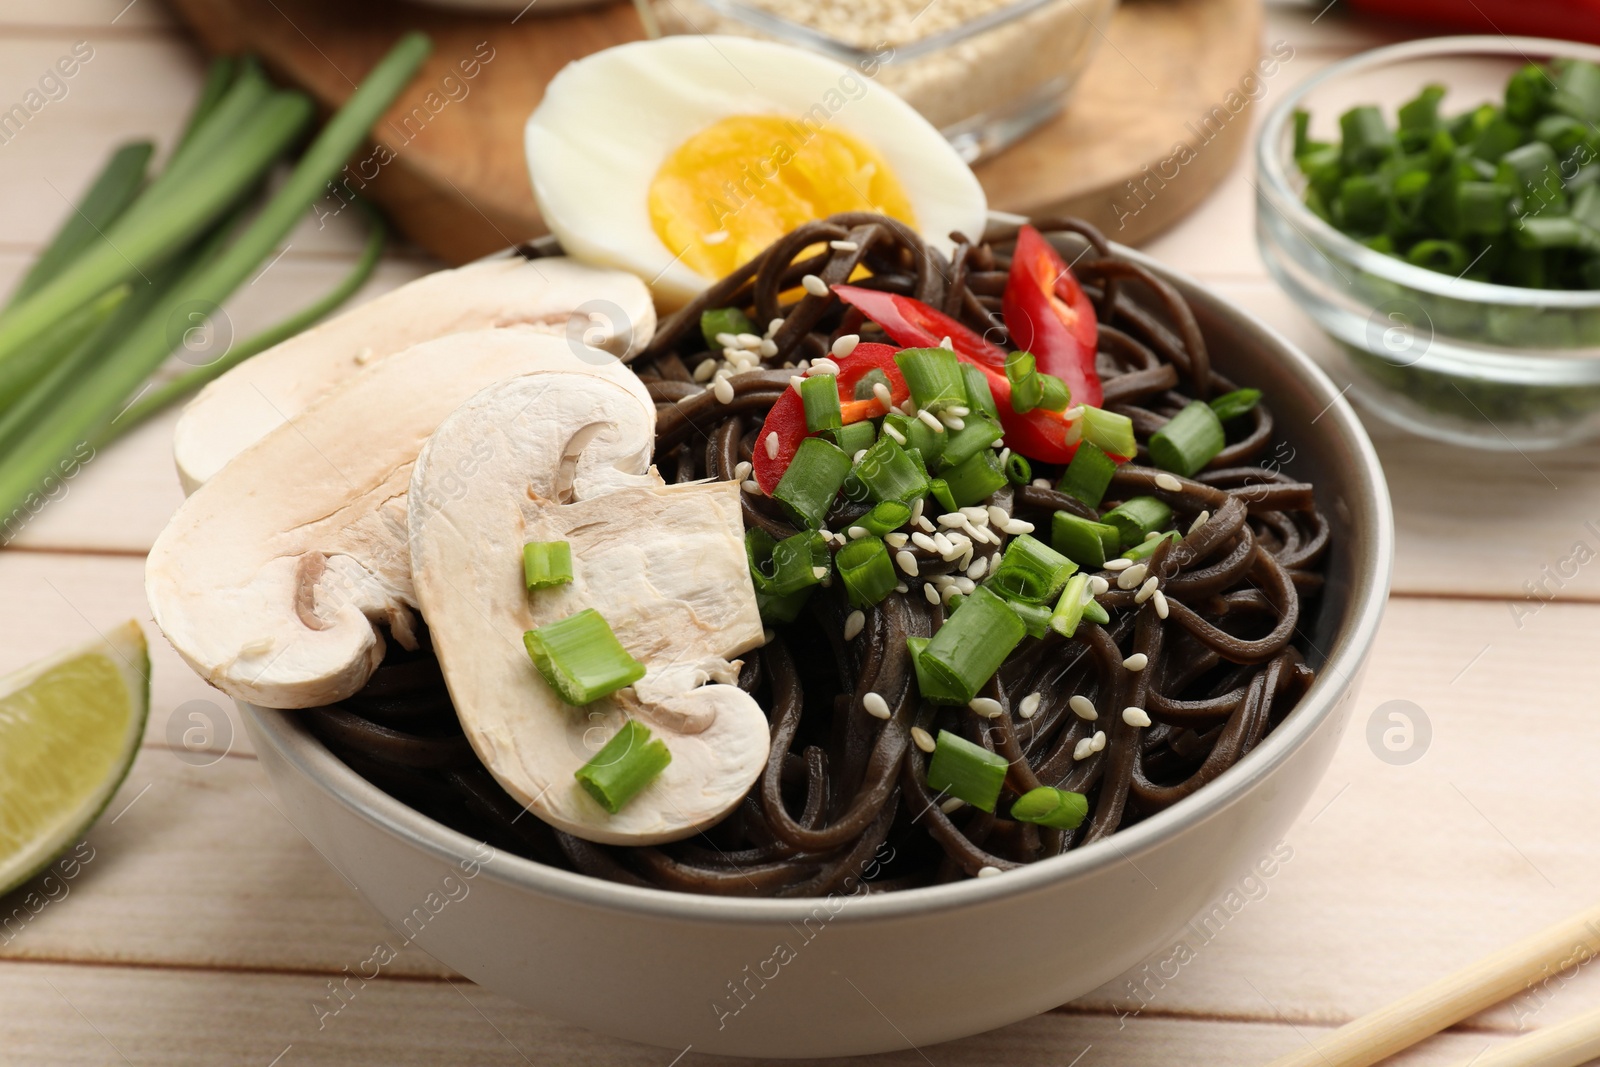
[{"x": 1435, "y": 207}]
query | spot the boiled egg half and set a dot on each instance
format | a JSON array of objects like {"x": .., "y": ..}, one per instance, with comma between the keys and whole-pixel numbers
[{"x": 680, "y": 159}]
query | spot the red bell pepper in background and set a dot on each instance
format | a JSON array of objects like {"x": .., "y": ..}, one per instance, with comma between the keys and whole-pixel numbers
[
  {"x": 1573, "y": 20},
  {"x": 787, "y": 417},
  {"x": 1042, "y": 435},
  {"x": 1048, "y": 313}
]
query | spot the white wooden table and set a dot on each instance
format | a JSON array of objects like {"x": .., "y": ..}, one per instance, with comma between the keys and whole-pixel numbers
[{"x": 204, "y": 927}]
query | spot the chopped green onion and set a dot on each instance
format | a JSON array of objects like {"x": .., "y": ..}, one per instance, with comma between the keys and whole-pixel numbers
[
  {"x": 1137, "y": 517},
  {"x": 974, "y": 480},
  {"x": 1447, "y": 257},
  {"x": 889, "y": 472},
  {"x": 820, "y": 394},
  {"x": 1147, "y": 548},
  {"x": 1030, "y": 571},
  {"x": 1086, "y": 543},
  {"x": 1069, "y": 608},
  {"x": 1053, "y": 393},
  {"x": 1094, "y": 612},
  {"x": 934, "y": 377},
  {"x": 928, "y": 685},
  {"x": 941, "y": 493},
  {"x": 546, "y": 563},
  {"x": 1577, "y": 90},
  {"x": 885, "y": 517},
  {"x": 1088, "y": 475},
  {"x": 1190, "y": 439},
  {"x": 1018, "y": 470},
  {"x": 620, "y": 770},
  {"x": 808, "y": 488},
  {"x": 1419, "y": 118},
  {"x": 1231, "y": 405},
  {"x": 1047, "y": 806},
  {"x": 731, "y": 321},
  {"x": 979, "y": 433},
  {"x": 1367, "y": 139},
  {"x": 852, "y": 437},
  {"x": 917, "y": 435},
  {"x": 868, "y": 573},
  {"x": 964, "y": 653},
  {"x": 581, "y": 658},
  {"x": 966, "y": 771},
  {"x": 1527, "y": 93},
  {"x": 1026, "y": 391},
  {"x": 979, "y": 396},
  {"x": 866, "y": 385},
  {"x": 1111, "y": 432},
  {"x": 780, "y": 568},
  {"x": 1035, "y": 617}
]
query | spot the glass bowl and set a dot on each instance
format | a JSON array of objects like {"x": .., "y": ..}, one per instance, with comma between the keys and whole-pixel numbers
[
  {"x": 984, "y": 81},
  {"x": 1489, "y": 366}
]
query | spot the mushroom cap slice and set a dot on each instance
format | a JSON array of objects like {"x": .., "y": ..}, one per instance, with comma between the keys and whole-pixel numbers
[
  {"x": 263, "y": 392},
  {"x": 564, "y": 459},
  {"x": 271, "y": 579}
]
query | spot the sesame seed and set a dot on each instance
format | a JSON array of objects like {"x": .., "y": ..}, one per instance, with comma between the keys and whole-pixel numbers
[
  {"x": 768, "y": 348},
  {"x": 723, "y": 390},
  {"x": 843, "y": 346},
  {"x": 751, "y": 486},
  {"x": 727, "y": 340},
  {"x": 948, "y": 592},
  {"x": 1098, "y": 585},
  {"x": 966, "y": 586},
  {"x": 924, "y": 542},
  {"x": 1017, "y": 526},
  {"x": 876, "y": 706},
  {"x": 857, "y": 532},
  {"x": 907, "y": 562},
  {"x": 896, "y": 539},
  {"x": 1199, "y": 521},
  {"x": 916, "y": 509},
  {"x": 951, "y": 519},
  {"x": 922, "y": 739},
  {"x": 853, "y": 623},
  {"x": 924, "y": 524},
  {"x": 899, "y": 438},
  {"x": 741, "y": 471},
  {"x": 997, "y": 515},
  {"x": 952, "y": 422},
  {"x": 749, "y": 340},
  {"x": 988, "y": 707},
  {"x": 774, "y": 326},
  {"x": 1136, "y": 662},
  {"x": 1099, "y": 740},
  {"x": 1005, "y": 453},
  {"x": 943, "y": 545},
  {"x": 705, "y": 370},
  {"x": 1041, "y": 483},
  {"x": 822, "y": 366},
  {"x": 772, "y": 445},
  {"x": 902, "y": 588},
  {"x": 1151, "y": 536},
  {"x": 819, "y": 573},
  {"x": 988, "y": 872},
  {"x": 844, "y": 246},
  {"x": 802, "y": 367},
  {"x": 930, "y": 594},
  {"x": 952, "y": 805},
  {"x": 1135, "y": 717},
  {"x": 1147, "y": 590},
  {"x": 795, "y": 382},
  {"x": 960, "y": 411},
  {"x": 1118, "y": 564},
  {"x": 716, "y": 237},
  {"x": 999, "y": 446},
  {"x": 945, "y": 343},
  {"x": 979, "y": 568},
  {"x": 1131, "y": 577},
  {"x": 859, "y": 456},
  {"x": 1029, "y": 705},
  {"x": 814, "y": 285},
  {"x": 1159, "y": 599},
  {"x": 1083, "y": 749},
  {"x": 931, "y": 420},
  {"x": 1168, "y": 482},
  {"x": 1083, "y": 708}
]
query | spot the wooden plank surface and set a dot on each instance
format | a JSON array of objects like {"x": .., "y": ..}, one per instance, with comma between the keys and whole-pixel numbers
[{"x": 204, "y": 925}]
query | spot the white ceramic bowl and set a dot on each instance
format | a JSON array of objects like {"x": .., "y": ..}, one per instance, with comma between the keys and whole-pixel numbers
[{"x": 858, "y": 974}]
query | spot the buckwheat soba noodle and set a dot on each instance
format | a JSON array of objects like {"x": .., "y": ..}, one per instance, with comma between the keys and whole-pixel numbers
[{"x": 1221, "y": 662}]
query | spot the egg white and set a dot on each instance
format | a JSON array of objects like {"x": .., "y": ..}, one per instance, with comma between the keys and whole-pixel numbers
[{"x": 607, "y": 122}]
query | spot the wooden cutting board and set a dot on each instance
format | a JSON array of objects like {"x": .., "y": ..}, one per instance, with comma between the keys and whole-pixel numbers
[{"x": 1157, "y": 120}]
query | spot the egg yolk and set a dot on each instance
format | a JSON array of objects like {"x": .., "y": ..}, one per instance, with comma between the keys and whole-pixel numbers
[{"x": 741, "y": 183}]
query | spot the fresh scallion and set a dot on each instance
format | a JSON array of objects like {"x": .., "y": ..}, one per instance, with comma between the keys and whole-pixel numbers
[
  {"x": 885, "y": 517},
  {"x": 969, "y": 772},
  {"x": 1088, "y": 475},
  {"x": 934, "y": 377},
  {"x": 964, "y": 653},
  {"x": 812, "y": 482},
  {"x": 1030, "y": 571},
  {"x": 974, "y": 480},
  {"x": 1022, "y": 373},
  {"x": 1018, "y": 470},
  {"x": 581, "y": 658},
  {"x": 1094, "y": 612},
  {"x": 729, "y": 322},
  {"x": 1190, "y": 439},
  {"x": 942, "y": 495},
  {"x": 1053, "y": 393},
  {"x": 1035, "y": 617},
  {"x": 820, "y": 395},
  {"x": 1230, "y": 406},
  {"x": 980, "y": 397},
  {"x": 852, "y": 437},
  {"x": 867, "y": 571},
  {"x": 979, "y": 432},
  {"x": 1110, "y": 432},
  {"x": 779, "y": 568},
  {"x": 622, "y": 768},
  {"x": 1138, "y": 516},
  {"x": 546, "y": 563},
  {"x": 1085, "y": 542},
  {"x": 890, "y": 473},
  {"x": 1069, "y": 606},
  {"x": 1147, "y": 548},
  {"x": 915, "y": 434},
  {"x": 1058, "y": 809}
]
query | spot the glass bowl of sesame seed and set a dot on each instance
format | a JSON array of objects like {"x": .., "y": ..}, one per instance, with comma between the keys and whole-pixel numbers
[{"x": 985, "y": 72}]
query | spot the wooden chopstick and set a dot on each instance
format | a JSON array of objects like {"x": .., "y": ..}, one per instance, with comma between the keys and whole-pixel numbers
[
  {"x": 1468, "y": 991},
  {"x": 1567, "y": 1044}
]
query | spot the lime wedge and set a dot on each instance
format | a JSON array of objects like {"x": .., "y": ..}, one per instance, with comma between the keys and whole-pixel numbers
[{"x": 70, "y": 727}]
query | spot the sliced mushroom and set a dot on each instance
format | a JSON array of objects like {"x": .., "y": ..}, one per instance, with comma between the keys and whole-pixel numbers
[
  {"x": 271, "y": 579},
  {"x": 562, "y": 458},
  {"x": 605, "y": 309}
]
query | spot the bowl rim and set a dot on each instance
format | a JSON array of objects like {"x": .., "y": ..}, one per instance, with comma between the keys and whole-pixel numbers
[
  {"x": 1278, "y": 193},
  {"x": 1373, "y": 520}
]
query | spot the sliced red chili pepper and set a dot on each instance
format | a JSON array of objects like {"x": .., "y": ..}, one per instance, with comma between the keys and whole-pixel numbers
[
  {"x": 787, "y": 417},
  {"x": 1039, "y": 434},
  {"x": 1048, "y": 313}
]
